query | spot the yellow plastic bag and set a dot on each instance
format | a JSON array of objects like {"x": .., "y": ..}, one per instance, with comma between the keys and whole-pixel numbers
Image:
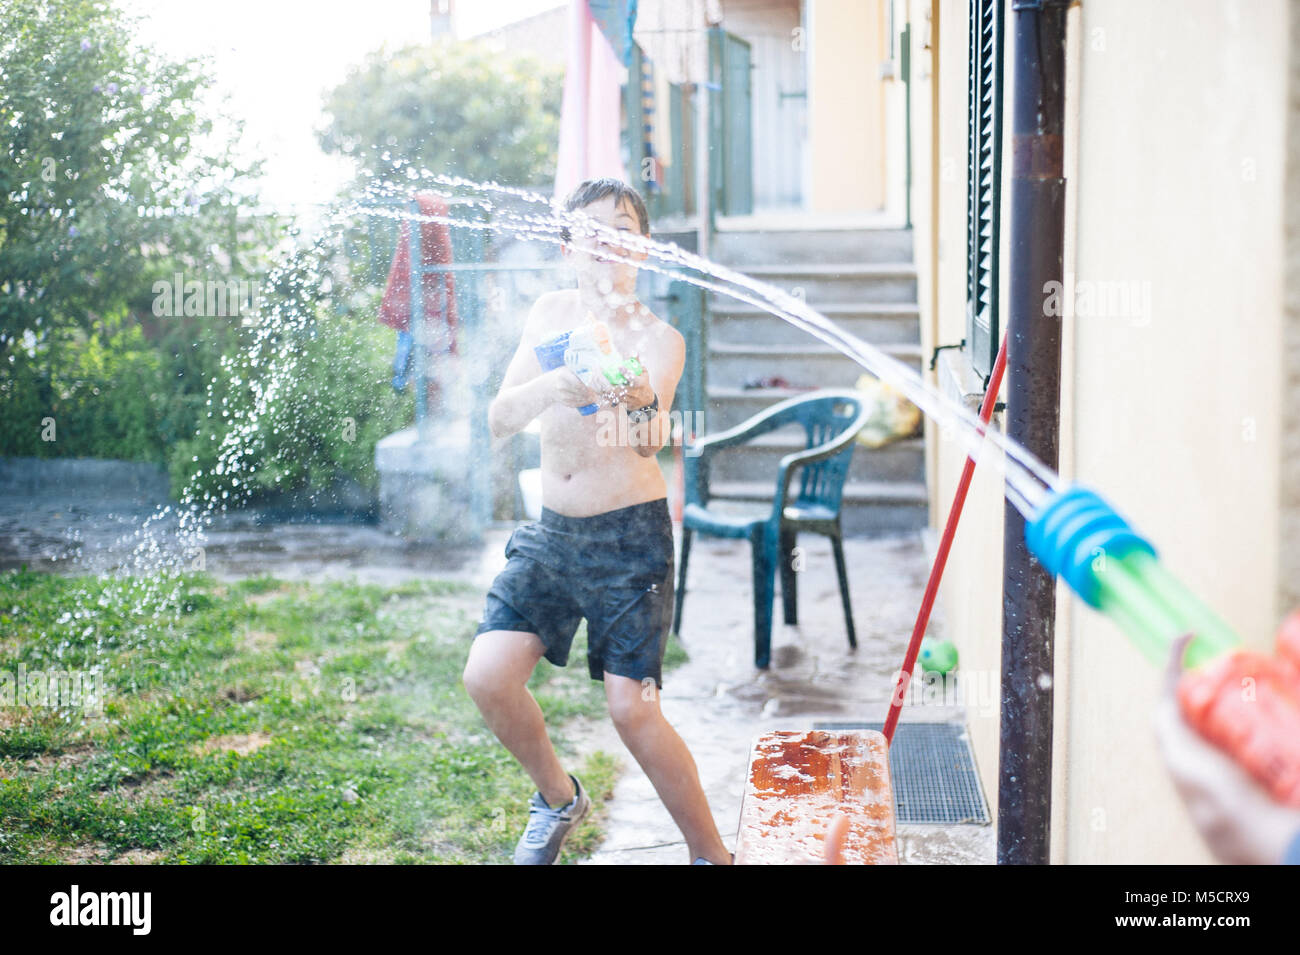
[{"x": 892, "y": 417}]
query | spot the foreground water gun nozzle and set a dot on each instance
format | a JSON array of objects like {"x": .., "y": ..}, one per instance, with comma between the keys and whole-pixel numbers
[{"x": 1246, "y": 703}]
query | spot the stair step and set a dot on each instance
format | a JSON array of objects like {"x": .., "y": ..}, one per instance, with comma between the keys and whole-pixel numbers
[
  {"x": 738, "y": 248},
  {"x": 729, "y": 406},
  {"x": 731, "y": 365},
  {"x": 833, "y": 311},
  {"x": 898, "y": 461},
  {"x": 855, "y": 492},
  {"x": 833, "y": 285},
  {"x": 834, "y": 269},
  {"x": 902, "y": 351},
  {"x": 868, "y": 509},
  {"x": 876, "y": 322},
  {"x": 791, "y": 438}
]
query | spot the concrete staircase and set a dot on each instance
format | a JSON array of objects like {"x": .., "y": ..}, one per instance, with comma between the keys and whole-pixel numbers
[{"x": 863, "y": 280}]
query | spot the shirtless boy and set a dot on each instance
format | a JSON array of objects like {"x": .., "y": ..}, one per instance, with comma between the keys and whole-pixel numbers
[{"x": 603, "y": 549}]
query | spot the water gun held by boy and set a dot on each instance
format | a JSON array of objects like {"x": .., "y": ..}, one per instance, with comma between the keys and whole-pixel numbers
[{"x": 589, "y": 353}]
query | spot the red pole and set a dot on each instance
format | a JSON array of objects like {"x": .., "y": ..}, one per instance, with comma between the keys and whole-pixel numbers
[{"x": 941, "y": 557}]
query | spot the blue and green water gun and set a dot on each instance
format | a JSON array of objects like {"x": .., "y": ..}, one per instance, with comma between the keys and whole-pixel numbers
[{"x": 1246, "y": 703}]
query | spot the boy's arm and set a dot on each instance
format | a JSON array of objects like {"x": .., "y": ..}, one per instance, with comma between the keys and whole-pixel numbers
[
  {"x": 648, "y": 437},
  {"x": 527, "y": 391}
]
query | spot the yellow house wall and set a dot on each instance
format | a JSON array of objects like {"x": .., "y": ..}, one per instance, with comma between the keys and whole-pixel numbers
[
  {"x": 847, "y": 44},
  {"x": 1172, "y": 408}
]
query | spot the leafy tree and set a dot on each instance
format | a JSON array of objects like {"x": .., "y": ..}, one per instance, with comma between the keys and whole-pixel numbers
[
  {"x": 459, "y": 108},
  {"x": 111, "y": 178},
  {"x": 104, "y": 186}
]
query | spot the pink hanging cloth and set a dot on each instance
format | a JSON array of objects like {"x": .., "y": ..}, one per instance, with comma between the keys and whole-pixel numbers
[
  {"x": 590, "y": 116},
  {"x": 435, "y": 249}
]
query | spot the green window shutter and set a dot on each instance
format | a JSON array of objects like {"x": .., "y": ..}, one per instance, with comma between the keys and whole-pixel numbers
[
  {"x": 730, "y": 124},
  {"x": 983, "y": 177}
]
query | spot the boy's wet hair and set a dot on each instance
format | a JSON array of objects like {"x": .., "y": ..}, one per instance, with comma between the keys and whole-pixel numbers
[{"x": 593, "y": 190}]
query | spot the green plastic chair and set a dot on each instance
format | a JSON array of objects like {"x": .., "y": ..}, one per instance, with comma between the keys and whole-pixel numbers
[{"x": 809, "y": 488}]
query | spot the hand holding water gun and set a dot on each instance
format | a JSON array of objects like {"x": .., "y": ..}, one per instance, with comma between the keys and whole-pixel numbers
[
  {"x": 1248, "y": 705},
  {"x": 569, "y": 391},
  {"x": 1245, "y": 703},
  {"x": 591, "y": 356},
  {"x": 1238, "y": 817},
  {"x": 588, "y": 352}
]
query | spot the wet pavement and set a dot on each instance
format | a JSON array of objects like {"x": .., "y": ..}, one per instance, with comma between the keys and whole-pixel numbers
[
  {"x": 61, "y": 534},
  {"x": 717, "y": 701}
]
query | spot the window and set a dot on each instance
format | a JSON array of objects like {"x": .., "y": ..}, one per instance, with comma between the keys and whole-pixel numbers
[{"x": 983, "y": 179}]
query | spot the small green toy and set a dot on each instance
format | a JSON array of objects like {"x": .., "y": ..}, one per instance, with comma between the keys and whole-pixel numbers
[{"x": 937, "y": 656}]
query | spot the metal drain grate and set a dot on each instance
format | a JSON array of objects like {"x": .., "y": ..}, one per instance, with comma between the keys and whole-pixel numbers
[{"x": 933, "y": 771}]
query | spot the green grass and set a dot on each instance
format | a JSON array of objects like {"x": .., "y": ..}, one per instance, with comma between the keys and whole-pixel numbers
[{"x": 266, "y": 722}]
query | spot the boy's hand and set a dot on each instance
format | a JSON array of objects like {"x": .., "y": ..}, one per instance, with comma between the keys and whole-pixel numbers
[
  {"x": 1237, "y": 818},
  {"x": 567, "y": 389},
  {"x": 638, "y": 392}
]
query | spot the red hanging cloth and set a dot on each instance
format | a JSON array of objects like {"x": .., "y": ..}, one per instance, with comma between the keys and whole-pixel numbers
[{"x": 435, "y": 249}]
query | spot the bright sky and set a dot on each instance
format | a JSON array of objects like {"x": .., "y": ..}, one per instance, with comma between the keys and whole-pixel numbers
[{"x": 275, "y": 59}]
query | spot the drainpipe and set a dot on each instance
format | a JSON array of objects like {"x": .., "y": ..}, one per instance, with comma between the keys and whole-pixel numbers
[{"x": 1037, "y": 239}]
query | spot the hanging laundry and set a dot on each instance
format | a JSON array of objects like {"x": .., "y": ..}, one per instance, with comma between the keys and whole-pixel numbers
[
  {"x": 403, "y": 360},
  {"x": 440, "y": 317},
  {"x": 590, "y": 116},
  {"x": 616, "y": 20}
]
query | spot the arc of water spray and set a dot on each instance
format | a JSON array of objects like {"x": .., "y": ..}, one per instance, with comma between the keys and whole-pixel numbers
[{"x": 1027, "y": 479}]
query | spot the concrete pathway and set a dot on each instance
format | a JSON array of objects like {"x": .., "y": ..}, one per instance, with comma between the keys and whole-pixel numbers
[{"x": 719, "y": 702}]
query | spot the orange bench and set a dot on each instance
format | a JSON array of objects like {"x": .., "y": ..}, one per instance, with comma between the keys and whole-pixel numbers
[{"x": 800, "y": 783}]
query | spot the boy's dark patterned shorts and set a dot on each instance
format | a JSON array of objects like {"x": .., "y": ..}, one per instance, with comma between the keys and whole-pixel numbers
[{"x": 615, "y": 569}]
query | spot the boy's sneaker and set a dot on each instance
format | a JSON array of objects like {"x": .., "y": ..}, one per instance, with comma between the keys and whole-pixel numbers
[{"x": 548, "y": 828}]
